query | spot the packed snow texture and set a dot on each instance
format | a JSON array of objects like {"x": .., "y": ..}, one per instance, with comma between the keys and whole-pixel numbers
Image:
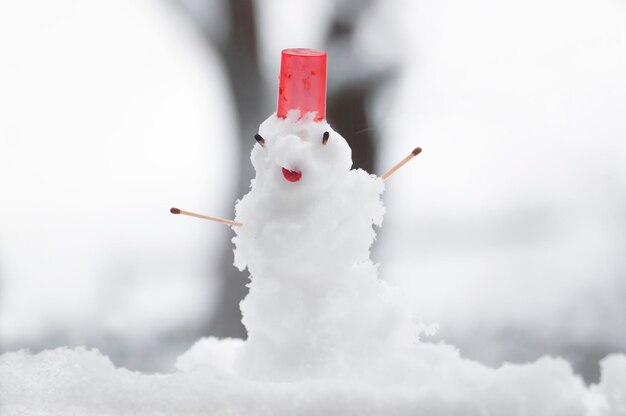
[
  {"x": 434, "y": 380},
  {"x": 306, "y": 245},
  {"x": 326, "y": 336}
]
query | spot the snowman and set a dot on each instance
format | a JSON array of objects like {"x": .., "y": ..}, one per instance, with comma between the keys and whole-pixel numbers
[{"x": 304, "y": 233}]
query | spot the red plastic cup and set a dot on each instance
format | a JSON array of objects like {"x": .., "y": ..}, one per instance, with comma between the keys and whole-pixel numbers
[{"x": 302, "y": 82}]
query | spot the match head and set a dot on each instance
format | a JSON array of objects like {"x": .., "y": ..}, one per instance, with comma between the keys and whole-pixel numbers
[
  {"x": 259, "y": 139},
  {"x": 417, "y": 151},
  {"x": 174, "y": 210}
]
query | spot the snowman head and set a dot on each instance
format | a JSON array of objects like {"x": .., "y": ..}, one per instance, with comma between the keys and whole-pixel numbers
[{"x": 297, "y": 154}]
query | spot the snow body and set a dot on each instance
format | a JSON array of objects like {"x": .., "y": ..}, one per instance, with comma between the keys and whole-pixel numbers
[{"x": 315, "y": 299}]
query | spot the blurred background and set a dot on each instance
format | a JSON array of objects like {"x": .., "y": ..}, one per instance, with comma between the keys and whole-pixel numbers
[{"x": 509, "y": 231}]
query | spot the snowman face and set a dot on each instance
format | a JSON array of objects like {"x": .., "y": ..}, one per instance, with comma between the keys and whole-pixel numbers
[{"x": 299, "y": 155}]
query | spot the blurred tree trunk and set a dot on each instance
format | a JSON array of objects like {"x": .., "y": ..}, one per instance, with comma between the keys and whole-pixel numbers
[
  {"x": 347, "y": 99},
  {"x": 347, "y": 113}
]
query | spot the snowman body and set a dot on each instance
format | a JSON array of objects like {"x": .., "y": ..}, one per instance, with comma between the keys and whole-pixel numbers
[{"x": 315, "y": 300}]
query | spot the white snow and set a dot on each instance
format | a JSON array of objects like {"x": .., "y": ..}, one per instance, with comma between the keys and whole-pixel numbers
[
  {"x": 326, "y": 336},
  {"x": 434, "y": 381},
  {"x": 315, "y": 302}
]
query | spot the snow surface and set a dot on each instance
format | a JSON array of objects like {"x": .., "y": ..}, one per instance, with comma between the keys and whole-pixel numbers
[
  {"x": 432, "y": 381},
  {"x": 326, "y": 336}
]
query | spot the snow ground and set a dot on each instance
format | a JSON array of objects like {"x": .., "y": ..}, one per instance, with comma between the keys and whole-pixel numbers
[{"x": 435, "y": 381}]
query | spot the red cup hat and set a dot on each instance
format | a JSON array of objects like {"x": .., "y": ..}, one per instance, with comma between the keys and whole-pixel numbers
[{"x": 302, "y": 82}]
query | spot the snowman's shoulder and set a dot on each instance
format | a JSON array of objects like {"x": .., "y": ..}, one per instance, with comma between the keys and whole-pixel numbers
[
  {"x": 365, "y": 183},
  {"x": 365, "y": 190}
]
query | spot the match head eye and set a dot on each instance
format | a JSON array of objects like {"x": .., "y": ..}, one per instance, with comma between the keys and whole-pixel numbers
[
  {"x": 260, "y": 139},
  {"x": 325, "y": 137}
]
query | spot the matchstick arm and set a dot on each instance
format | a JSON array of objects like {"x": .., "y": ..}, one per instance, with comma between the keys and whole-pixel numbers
[
  {"x": 206, "y": 217},
  {"x": 401, "y": 163}
]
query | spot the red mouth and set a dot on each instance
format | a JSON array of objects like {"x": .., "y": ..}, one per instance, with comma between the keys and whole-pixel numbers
[{"x": 292, "y": 175}]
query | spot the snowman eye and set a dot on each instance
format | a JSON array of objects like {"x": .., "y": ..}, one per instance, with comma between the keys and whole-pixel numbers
[
  {"x": 325, "y": 137},
  {"x": 260, "y": 139}
]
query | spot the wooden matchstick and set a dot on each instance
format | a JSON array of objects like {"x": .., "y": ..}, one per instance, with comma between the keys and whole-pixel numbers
[
  {"x": 401, "y": 163},
  {"x": 206, "y": 217}
]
